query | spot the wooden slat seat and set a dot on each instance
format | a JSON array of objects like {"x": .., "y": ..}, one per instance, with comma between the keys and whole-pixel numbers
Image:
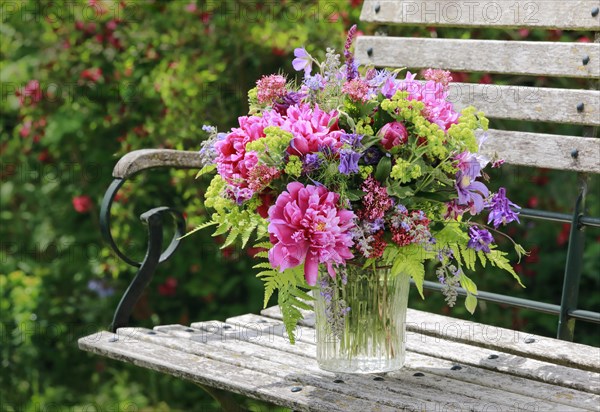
[{"x": 250, "y": 354}]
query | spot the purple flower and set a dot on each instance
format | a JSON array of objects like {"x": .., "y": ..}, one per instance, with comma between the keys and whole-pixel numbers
[
  {"x": 372, "y": 155},
  {"x": 351, "y": 66},
  {"x": 470, "y": 193},
  {"x": 500, "y": 209},
  {"x": 352, "y": 139},
  {"x": 480, "y": 239},
  {"x": 101, "y": 288},
  {"x": 348, "y": 161},
  {"x": 303, "y": 61},
  {"x": 311, "y": 162},
  {"x": 290, "y": 99},
  {"x": 316, "y": 82}
]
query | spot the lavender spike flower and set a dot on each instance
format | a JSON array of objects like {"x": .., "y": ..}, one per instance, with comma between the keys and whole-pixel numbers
[{"x": 351, "y": 71}]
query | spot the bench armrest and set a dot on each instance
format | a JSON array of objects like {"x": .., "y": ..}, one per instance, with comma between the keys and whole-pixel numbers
[{"x": 139, "y": 160}]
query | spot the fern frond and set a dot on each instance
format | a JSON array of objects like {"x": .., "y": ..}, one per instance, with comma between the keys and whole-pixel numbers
[{"x": 199, "y": 227}]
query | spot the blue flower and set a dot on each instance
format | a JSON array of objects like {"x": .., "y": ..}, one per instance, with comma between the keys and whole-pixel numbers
[
  {"x": 352, "y": 139},
  {"x": 303, "y": 61},
  {"x": 311, "y": 162},
  {"x": 480, "y": 239},
  {"x": 500, "y": 209},
  {"x": 348, "y": 161}
]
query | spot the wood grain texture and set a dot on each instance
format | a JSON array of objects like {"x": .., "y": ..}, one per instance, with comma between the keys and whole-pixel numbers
[
  {"x": 490, "y": 56},
  {"x": 138, "y": 160},
  {"x": 528, "y": 103},
  {"x": 510, "y": 383},
  {"x": 550, "y": 14},
  {"x": 544, "y": 150}
]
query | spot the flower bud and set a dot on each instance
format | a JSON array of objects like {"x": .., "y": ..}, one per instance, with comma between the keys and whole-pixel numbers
[{"x": 393, "y": 134}]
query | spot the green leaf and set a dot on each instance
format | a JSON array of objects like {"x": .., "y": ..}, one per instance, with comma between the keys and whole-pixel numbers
[
  {"x": 206, "y": 169},
  {"x": 498, "y": 259},
  {"x": 197, "y": 228},
  {"x": 384, "y": 167},
  {"x": 471, "y": 303},
  {"x": 400, "y": 192},
  {"x": 482, "y": 258},
  {"x": 467, "y": 284},
  {"x": 469, "y": 257},
  {"x": 355, "y": 195}
]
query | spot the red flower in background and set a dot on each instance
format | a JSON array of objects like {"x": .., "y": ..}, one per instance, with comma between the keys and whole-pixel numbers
[
  {"x": 82, "y": 204},
  {"x": 31, "y": 94},
  {"x": 94, "y": 74},
  {"x": 169, "y": 287}
]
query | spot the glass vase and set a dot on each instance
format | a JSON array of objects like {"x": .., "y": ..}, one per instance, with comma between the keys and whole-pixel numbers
[{"x": 360, "y": 319}]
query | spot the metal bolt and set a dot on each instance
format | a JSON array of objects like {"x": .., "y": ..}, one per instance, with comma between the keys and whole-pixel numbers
[
  {"x": 595, "y": 11},
  {"x": 296, "y": 389},
  {"x": 580, "y": 107},
  {"x": 377, "y": 8},
  {"x": 370, "y": 51},
  {"x": 575, "y": 153},
  {"x": 113, "y": 339},
  {"x": 529, "y": 340},
  {"x": 151, "y": 332},
  {"x": 190, "y": 330},
  {"x": 226, "y": 327},
  {"x": 493, "y": 357},
  {"x": 456, "y": 368},
  {"x": 262, "y": 321},
  {"x": 378, "y": 378},
  {"x": 418, "y": 374},
  {"x": 338, "y": 381},
  {"x": 585, "y": 60}
]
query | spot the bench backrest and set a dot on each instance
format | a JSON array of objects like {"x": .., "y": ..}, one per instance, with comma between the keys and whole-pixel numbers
[{"x": 523, "y": 58}]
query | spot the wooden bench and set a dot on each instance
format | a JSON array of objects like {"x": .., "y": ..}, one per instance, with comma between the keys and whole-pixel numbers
[{"x": 451, "y": 364}]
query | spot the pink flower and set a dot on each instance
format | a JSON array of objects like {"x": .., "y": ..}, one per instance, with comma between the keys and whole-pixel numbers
[
  {"x": 31, "y": 94},
  {"x": 233, "y": 162},
  {"x": 311, "y": 129},
  {"x": 271, "y": 88},
  {"x": 437, "y": 109},
  {"x": 94, "y": 74},
  {"x": 393, "y": 134},
  {"x": 357, "y": 90},
  {"x": 307, "y": 227},
  {"x": 439, "y": 76},
  {"x": 82, "y": 204}
]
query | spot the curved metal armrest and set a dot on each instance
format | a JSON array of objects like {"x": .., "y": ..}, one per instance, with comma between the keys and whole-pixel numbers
[{"x": 138, "y": 160}]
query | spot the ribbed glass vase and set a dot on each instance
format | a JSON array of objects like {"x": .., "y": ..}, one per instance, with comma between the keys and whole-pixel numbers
[{"x": 360, "y": 320}]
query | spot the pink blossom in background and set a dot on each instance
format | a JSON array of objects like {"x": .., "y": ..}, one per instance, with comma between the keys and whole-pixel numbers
[
  {"x": 82, "y": 204},
  {"x": 31, "y": 94},
  {"x": 307, "y": 227}
]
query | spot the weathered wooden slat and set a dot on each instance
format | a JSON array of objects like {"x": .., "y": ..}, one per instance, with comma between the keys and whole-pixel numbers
[
  {"x": 528, "y": 103},
  {"x": 491, "y": 56},
  {"x": 507, "y": 363},
  {"x": 272, "y": 333},
  {"x": 565, "y": 353},
  {"x": 550, "y": 14},
  {"x": 509, "y": 341},
  {"x": 422, "y": 392},
  {"x": 220, "y": 375},
  {"x": 138, "y": 160},
  {"x": 544, "y": 150}
]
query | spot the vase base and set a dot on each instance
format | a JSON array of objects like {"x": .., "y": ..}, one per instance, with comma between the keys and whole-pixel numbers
[{"x": 361, "y": 365}]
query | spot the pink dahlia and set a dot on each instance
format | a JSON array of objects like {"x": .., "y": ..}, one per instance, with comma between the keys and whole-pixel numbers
[
  {"x": 233, "y": 162},
  {"x": 307, "y": 227},
  {"x": 311, "y": 129}
]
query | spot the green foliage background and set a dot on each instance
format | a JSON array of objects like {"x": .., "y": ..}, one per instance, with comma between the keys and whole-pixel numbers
[{"x": 116, "y": 76}]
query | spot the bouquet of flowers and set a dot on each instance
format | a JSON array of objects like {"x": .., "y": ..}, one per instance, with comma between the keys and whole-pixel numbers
[{"x": 356, "y": 165}]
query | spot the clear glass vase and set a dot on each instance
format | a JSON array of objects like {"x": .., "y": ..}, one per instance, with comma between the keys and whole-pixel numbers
[{"x": 360, "y": 320}]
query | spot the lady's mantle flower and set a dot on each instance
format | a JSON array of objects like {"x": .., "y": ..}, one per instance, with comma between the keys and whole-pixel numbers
[
  {"x": 480, "y": 239},
  {"x": 307, "y": 227},
  {"x": 271, "y": 88},
  {"x": 500, "y": 209},
  {"x": 303, "y": 61},
  {"x": 470, "y": 192}
]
